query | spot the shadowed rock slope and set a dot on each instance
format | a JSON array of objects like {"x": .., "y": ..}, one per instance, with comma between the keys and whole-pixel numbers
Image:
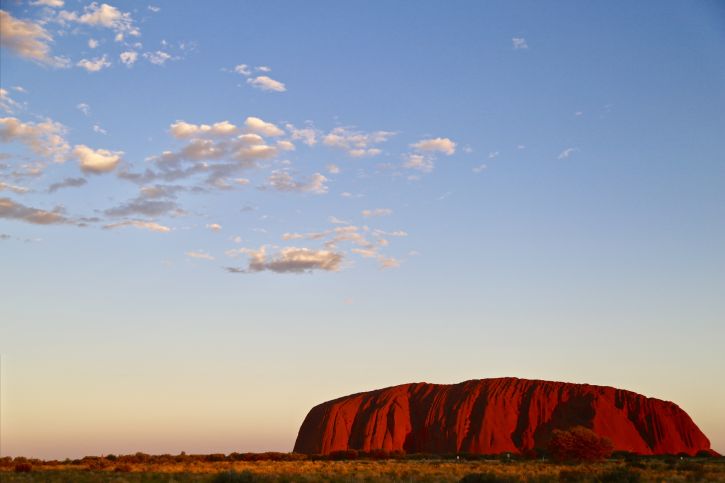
[{"x": 491, "y": 416}]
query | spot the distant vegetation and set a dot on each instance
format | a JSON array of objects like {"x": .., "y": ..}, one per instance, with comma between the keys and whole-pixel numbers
[{"x": 354, "y": 466}]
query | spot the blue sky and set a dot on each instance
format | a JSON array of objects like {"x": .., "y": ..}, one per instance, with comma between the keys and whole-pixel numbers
[{"x": 216, "y": 215}]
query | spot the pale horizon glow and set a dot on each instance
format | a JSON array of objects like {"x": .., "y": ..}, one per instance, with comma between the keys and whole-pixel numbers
[{"x": 208, "y": 225}]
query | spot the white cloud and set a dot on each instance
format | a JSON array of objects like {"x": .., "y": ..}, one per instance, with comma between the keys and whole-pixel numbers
[
  {"x": 28, "y": 40},
  {"x": 519, "y": 43},
  {"x": 493, "y": 155},
  {"x": 290, "y": 260},
  {"x": 199, "y": 255},
  {"x": 96, "y": 160},
  {"x": 44, "y": 139},
  {"x": 94, "y": 65},
  {"x": 14, "y": 188},
  {"x": 103, "y": 16},
  {"x": 48, "y": 3},
  {"x": 7, "y": 103},
  {"x": 128, "y": 57},
  {"x": 144, "y": 225},
  {"x": 84, "y": 108},
  {"x": 92, "y": 43},
  {"x": 567, "y": 152},
  {"x": 356, "y": 143},
  {"x": 480, "y": 168},
  {"x": 442, "y": 145},
  {"x": 308, "y": 135},
  {"x": 154, "y": 8},
  {"x": 185, "y": 130},
  {"x": 263, "y": 68},
  {"x": 266, "y": 84},
  {"x": 258, "y": 126},
  {"x": 377, "y": 212},
  {"x": 418, "y": 161},
  {"x": 157, "y": 58},
  {"x": 98, "y": 129},
  {"x": 281, "y": 180},
  {"x": 286, "y": 145},
  {"x": 243, "y": 69},
  {"x": 333, "y": 169},
  {"x": 214, "y": 226}
]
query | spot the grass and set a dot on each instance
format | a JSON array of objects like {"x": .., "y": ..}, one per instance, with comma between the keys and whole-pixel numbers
[{"x": 400, "y": 470}]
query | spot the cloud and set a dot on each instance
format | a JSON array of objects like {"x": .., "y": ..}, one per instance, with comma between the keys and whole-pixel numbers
[
  {"x": 258, "y": 126},
  {"x": 98, "y": 129},
  {"x": 357, "y": 144},
  {"x": 144, "y": 206},
  {"x": 243, "y": 69},
  {"x": 7, "y": 103},
  {"x": 266, "y": 84},
  {"x": 199, "y": 255},
  {"x": 45, "y": 139},
  {"x": 441, "y": 145},
  {"x": 154, "y": 8},
  {"x": 388, "y": 262},
  {"x": 519, "y": 43},
  {"x": 333, "y": 168},
  {"x": 290, "y": 260},
  {"x": 185, "y": 130},
  {"x": 157, "y": 58},
  {"x": 92, "y": 43},
  {"x": 102, "y": 16},
  {"x": 377, "y": 212},
  {"x": 84, "y": 108},
  {"x": 281, "y": 180},
  {"x": 140, "y": 224},
  {"x": 308, "y": 135},
  {"x": 213, "y": 150},
  {"x": 15, "y": 189},
  {"x": 16, "y": 211},
  {"x": 567, "y": 152},
  {"x": 214, "y": 226},
  {"x": 94, "y": 65},
  {"x": 48, "y": 3},
  {"x": 67, "y": 183},
  {"x": 128, "y": 58},
  {"x": 418, "y": 161},
  {"x": 480, "y": 168},
  {"x": 28, "y": 40},
  {"x": 97, "y": 161}
]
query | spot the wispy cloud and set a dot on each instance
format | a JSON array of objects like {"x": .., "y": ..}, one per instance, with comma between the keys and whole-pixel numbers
[
  {"x": 567, "y": 153},
  {"x": 519, "y": 43}
]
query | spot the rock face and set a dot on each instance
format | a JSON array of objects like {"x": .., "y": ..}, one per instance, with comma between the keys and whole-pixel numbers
[{"x": 491, "y": 416}]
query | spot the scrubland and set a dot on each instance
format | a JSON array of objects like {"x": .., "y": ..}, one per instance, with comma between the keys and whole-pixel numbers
[{"x": 298, "y": 468}]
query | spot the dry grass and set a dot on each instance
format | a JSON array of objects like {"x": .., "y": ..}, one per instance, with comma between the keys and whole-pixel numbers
[{"x": 403, "y": 470}]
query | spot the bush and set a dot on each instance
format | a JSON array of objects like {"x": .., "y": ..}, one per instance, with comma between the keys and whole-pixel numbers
[
  {"x": 488, "y": 478},
  {"x": 345, "y": 454},
  {"x": 620, "y": 475},
  {"x": 579, "y": 444},
  {"x": 23, "y": 468},
  {"x": 234, "y": 477}
]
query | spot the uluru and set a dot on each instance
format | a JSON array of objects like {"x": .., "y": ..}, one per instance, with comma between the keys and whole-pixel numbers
[{"x": 493, "y": 416}]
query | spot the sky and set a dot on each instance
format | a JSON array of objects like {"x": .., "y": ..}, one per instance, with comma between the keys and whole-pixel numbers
[{"x": 216, "y": 215}]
